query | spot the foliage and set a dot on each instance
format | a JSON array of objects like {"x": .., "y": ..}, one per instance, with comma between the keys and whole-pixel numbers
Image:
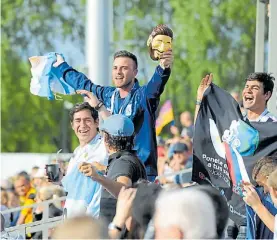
[
  {"x": 209, "y": 36},
  {"x": 30, "y": 123}
]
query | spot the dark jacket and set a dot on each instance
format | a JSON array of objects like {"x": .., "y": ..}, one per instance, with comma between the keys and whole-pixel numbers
[
  {"x": 256, "y": 229},
  {"x": 140, "y": 106}
]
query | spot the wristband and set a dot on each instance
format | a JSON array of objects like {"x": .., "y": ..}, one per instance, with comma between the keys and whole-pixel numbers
[
  {"x": 112, "y": 226},
  {"x": 98, "y": 106},
  {"x": 198, "y": 102}
]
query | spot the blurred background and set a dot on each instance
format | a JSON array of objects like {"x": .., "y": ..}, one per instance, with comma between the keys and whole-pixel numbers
[{"x": 209, "y": 36}]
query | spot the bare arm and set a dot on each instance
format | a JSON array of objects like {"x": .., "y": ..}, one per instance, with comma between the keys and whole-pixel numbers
[
  {"x": 21, "y": 219},
  {"x": 252, "y": 199},
  {"x": 205, "y": 83},
  {"x": 94, "y": 102},
  {"x": 113, "y": 187},
  {"x": 267, "y": 218}
]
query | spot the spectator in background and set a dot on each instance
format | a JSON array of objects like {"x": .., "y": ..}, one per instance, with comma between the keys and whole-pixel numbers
[
  {"x": 26, "y": 194},
  {"x": 124, "y": 167},
  {"x": 4, "y": 206},
  {"x": 179, "y": 158},
  {"x": 260, "y": 208},
  {"x": 185, "y": 214},
  {"x": 187, "y": 124},
  {"x": 44, "y": 194},
  {"x": 13, "y": 202},
  {"x": 39, "y": 179},
  {"x": 34, "y": 171}
]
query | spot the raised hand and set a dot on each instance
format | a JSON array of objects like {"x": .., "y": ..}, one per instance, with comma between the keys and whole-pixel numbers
[
  {"x": 89, "y": 97},
  {"x": 166, "y": 59},
  {"x": 59, "y": 61},
  {"x": 204, "y": 84}
]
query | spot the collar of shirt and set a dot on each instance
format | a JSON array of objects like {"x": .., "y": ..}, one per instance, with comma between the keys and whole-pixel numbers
[{"x": 264, "y": 113}]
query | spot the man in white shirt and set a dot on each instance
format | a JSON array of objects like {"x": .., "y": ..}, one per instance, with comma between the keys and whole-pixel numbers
[{"x": 83, "y": 194}]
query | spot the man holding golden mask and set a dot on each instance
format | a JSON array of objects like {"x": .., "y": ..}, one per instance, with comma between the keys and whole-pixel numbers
[{"x": 139, "y": 103}]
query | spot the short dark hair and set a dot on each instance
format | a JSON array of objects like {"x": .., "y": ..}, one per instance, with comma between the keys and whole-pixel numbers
[
  {"x": 82, "y": 106},
  {"x": 119, "y": 143},
  {"x": 124, "y": 53},
  {"x": 264, "y": 166},
  {"x": 264, "y": 78}
]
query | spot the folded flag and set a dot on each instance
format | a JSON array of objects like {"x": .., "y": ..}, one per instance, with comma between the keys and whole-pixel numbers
[
  {"x": 47, "y": 80},
  {"x": 83, "y": 192},
  {"x": 226, "y": 147},
  {"x": 165, "y": 117}
]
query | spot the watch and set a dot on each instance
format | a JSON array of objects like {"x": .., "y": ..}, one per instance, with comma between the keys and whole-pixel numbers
[
  {"x": 98, "y": 106},
  {"x": 112, "y": 226}
]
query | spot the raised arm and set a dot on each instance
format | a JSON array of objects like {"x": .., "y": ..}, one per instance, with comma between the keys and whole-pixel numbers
[
  {"x": 78, "y": 80},
  {"x": 205, "y": 83},
  {"x": 95, "y": 103},
  {"x": 155, "y": 86}
]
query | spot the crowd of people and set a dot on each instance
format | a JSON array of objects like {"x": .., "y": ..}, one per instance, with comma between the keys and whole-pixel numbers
[{"x": 124, "y": 182}]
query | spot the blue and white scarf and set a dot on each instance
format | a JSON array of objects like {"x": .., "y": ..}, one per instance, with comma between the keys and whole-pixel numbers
[{"x": 46, "y": 80}]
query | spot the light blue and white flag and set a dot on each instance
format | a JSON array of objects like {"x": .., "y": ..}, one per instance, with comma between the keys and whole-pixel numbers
[
  {"x": 47, "y": 80},
  {"x": 83, "y": 194}
]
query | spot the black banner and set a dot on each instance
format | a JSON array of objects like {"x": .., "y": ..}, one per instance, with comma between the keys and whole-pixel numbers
[{"x": 226, "y": 147}]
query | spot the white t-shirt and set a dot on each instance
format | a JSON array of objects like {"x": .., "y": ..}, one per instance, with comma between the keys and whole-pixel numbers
[{"x": 95, "y": 151}]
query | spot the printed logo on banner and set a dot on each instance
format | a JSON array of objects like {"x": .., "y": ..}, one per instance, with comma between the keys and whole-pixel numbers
[{"x": 237, "y": 141}]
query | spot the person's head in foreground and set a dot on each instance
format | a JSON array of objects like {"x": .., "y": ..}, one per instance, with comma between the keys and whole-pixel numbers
[
  {"x": 186, "y": 213},
  {"x": 221, "y": 208},
  {"x": 262, "y": 169},
  {"x": 118, "y": 132},
  {"x": 160, "y": 41},
  {"x": 83, "y": 227}
]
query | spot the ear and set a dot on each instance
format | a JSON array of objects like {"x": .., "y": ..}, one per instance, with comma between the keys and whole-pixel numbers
[
  {"x": 96, "y": 122},
  {"x": 268, "y": 95},
  {"x": 136, "y": 72},
  {"x": 71, "y": 123}
]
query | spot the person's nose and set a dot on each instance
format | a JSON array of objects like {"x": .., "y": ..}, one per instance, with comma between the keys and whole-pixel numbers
[{"x": 83, "y": 123}]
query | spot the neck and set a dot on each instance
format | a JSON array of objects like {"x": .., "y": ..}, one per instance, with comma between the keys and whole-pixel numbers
[
  {"x": 84, "y": 143},
  {"x": 252, "y": 115},
  {"x": 124, "y": 91}
]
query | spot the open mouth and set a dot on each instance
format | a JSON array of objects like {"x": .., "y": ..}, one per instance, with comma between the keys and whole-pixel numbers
[
  {"x": 83, "y": 131},
  {"x": 248, "y": 99}
]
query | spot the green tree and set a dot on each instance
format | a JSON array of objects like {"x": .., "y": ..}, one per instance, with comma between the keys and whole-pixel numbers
[
  {"x": 30, "y": 123},
  {"x": 209, "y": 36}
]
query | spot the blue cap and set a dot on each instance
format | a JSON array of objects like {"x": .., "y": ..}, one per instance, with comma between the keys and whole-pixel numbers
[
  {"x": 177, "y": 148},
  {"x": 118, "y": 125}
]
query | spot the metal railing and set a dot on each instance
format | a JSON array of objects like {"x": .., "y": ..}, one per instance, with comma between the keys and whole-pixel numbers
[{"x": 43, "y": 225}]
